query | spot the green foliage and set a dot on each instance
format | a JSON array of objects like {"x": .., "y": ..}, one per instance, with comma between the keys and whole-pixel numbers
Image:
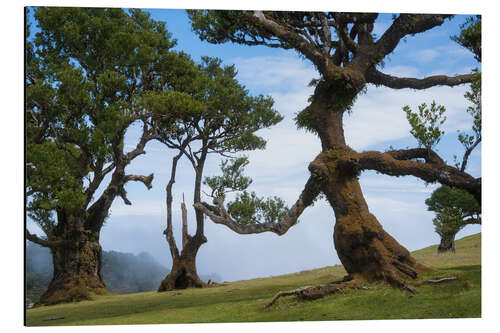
[
  {"x": 452, "y": 207},
  {"x": 470, "y": 36},
  {"x": 247, "y": 207},
  {"x": 89, "y": 73},
  {"x": 221, "y": 115},
  {"x": 425, "y": 123},
  {"x": 474, "y": 97},
  {"x": 232, "y": 178},
  {"x": 220, "y": 26}
]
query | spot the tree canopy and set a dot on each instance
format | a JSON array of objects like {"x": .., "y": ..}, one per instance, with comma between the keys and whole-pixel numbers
[
  {"x": 89, "y": 72},
  {"x": 223, "y": 119}
]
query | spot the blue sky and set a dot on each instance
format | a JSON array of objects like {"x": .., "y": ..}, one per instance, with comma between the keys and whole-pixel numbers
[{"x": 376, "y": 122}]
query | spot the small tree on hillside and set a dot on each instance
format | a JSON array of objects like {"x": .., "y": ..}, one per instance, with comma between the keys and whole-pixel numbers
[
  {"x": 87, "y": 71},
  {"x": 222, "y": 121},
  {"x": 454, "y": 209}
]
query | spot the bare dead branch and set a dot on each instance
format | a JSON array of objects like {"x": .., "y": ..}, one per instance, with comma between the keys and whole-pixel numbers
[
  {"x": 310, "y": 192},
  {"x": 185, "y": 234},
  {"x": 316, "y": 292},
  {"x": 451, "y": 278}
]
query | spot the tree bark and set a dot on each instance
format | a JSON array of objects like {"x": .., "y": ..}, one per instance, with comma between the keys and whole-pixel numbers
[
  {"x": 183, "y": 273},
  {"x": 447, "y": 243},
  {"x": 365, "y": 249},
  {"x": 77, "y": 270}
]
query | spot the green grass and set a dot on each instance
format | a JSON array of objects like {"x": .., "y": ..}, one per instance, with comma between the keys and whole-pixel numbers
[{"x": 242, "y": 301}]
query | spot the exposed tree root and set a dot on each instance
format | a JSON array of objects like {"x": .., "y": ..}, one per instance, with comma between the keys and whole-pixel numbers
[
  {"x": 322, "y": 290},
  {"x": 315, "y": 292}
]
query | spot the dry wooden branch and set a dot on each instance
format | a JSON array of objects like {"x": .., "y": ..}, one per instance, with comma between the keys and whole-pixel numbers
[
  {"x": 315, "y": 292},
  {"x": 451, "y": 278}
]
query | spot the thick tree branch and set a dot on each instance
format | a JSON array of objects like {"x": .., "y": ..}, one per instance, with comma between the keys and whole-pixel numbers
[
  {"x": 122, "y": 193},
  {"x": 405, "y": 24},
  {"x": 378, "y": 78},
  {"x": 473, "y": 220},
  {"x": 309, "y": 50},
  {"x": 146, "y": 180},
  {"x": 147, "y": 135},
  {"x": 35, "y": 239},
  {"x": 402, "y": 163},
  {"x": 220, "y": 215}
]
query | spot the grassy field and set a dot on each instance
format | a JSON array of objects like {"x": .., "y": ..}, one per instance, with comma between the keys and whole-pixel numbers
[{"x": 242, "y": 301}]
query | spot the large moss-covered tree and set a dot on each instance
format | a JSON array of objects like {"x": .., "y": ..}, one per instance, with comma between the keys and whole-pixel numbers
[
  {"x": 222, "y": 119},
  {"x": 347, "y": 55},
  {"x": 87, "y": 70}
]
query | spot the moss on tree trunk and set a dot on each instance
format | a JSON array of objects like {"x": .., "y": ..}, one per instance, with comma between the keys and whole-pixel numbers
[
  {"x": 77, "y": 271},
  {"x": 365, "y": 249},
  {"x": 447, "y": 243},
  {"x": 183, "y": 273}
]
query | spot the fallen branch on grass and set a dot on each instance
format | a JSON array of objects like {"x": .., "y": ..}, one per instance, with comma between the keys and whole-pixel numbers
[
  {"x": 315, "y": 292},
  {"x": 451, "y": 278}
]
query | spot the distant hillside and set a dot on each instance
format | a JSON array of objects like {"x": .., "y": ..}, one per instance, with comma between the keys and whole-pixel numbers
[{"x": 468, "y": 252}]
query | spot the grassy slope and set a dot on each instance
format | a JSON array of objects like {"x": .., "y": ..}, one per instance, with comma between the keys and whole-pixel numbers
[{"x": 241, "y": 301}]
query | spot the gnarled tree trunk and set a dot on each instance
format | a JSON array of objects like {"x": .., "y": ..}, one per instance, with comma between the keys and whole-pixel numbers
[
  {"x": 447, "y": 242},
  {"x": 77, "y": 270},
  {"x": 183, "y": 274},
  {"x": 365, "y": 249}
]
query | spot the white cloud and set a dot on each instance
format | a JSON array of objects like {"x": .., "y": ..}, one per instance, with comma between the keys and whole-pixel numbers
[
  {"x": 401, "y": 71},
  {"x": 377, "y": 116},
  {"x": 149, "y": 207},
  {"x": 282, "y": 73},
  {"x": 426, "y": 55}
]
